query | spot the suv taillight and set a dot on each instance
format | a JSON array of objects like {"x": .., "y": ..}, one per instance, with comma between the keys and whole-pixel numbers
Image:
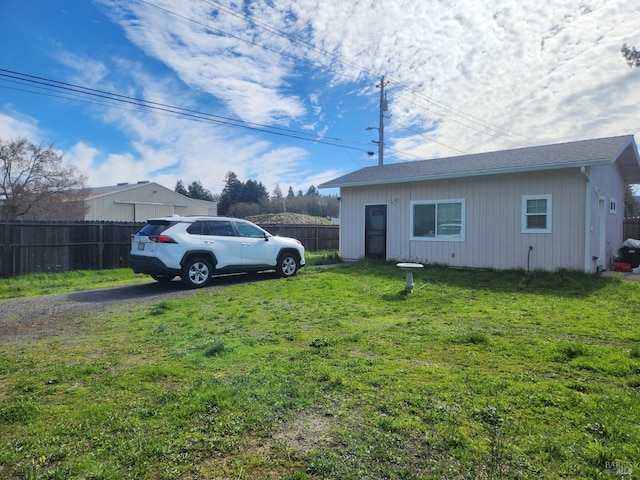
[{"x": 161, "y": 239}]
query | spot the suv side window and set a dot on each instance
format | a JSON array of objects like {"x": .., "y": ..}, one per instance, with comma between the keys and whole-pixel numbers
[
  {"x": 222, "y": 228},
  {"x": 196, "y": 228},
  {"x": 249, "y": 230}
]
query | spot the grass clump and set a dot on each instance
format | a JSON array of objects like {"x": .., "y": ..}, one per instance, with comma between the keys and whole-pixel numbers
[
  {"x": 335, "y": 374},
  {"x": 215, "y": 348}
]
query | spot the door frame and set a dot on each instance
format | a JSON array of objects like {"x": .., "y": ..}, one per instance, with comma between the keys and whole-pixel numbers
[
  {"x": 367, "y": 234},
  {"x": 602, "y": 234}
]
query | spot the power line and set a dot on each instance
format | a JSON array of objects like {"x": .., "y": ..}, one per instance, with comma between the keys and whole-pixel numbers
[
  {"x": 429, "y": 139},
  {"x": 195, "y": 115},
  {"x": 287, "y": 36},
  {"x": 258, "y": 24},
  {"x": 482, "y": 125},
  {"x": 81, "y": 92},
  {"x": 486, "y": 128}
]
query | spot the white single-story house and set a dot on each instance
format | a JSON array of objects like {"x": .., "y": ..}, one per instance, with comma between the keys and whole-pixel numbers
[
  {"x": 137, "y": 202},
  {"x": 546, "y": 207}
]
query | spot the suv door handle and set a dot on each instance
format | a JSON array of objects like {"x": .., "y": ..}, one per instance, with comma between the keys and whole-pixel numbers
[{"x": 209, "y": 242}]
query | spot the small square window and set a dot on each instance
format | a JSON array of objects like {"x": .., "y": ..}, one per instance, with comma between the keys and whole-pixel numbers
[{"x": 536, "y": 214}]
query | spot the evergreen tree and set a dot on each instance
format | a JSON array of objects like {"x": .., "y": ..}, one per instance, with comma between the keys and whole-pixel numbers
[
  {"x": 197, "y": 191},
  {"x": 254, "y": 192},
  {"x": 180, "y": 188},
  {"x": 290, "y": 193},
  {"x": 231, "y": 193},
  {"x": 312, "y": 192}
]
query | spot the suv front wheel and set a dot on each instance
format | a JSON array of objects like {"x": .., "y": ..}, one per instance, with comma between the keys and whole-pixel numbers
[
  {"x": 287, "y": 265},
  {"x": 196, "y": 272}
]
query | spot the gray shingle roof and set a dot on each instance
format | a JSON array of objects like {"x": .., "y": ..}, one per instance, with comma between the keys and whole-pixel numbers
[{"x": 601, "y": 151}]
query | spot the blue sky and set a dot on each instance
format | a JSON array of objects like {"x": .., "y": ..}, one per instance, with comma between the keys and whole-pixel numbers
[{"x": 293, "y": 82}]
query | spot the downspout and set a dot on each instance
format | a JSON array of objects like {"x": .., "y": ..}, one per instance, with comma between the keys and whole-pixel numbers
[{"x": 587, "y": 219}]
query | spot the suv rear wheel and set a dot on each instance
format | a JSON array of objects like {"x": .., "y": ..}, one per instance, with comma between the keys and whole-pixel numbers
[
  {"x": 196, "y": 272},
  {"x": 287, "y": 265}
]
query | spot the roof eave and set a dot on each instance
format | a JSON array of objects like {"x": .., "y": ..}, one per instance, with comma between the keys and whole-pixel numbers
[{"x": 449, "y": 176}]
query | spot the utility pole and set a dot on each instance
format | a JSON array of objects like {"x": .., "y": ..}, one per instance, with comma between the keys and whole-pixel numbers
[{"x": 384, "y": 106}]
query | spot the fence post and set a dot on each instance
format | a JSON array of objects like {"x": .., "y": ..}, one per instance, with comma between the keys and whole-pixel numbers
[
  {"x": 100, "y": 247},
  {"x": 6, "y": 250}
]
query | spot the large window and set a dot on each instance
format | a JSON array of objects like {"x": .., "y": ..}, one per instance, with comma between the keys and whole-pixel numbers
[
  {"x": 536, "y": 214},
  {"x": 437, "y": 220}
]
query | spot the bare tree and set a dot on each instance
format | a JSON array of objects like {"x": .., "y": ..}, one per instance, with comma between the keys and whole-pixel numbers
[{"x": 34, "y": 180}]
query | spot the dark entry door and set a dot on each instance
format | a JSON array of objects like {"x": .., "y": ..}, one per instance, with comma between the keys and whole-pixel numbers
[{"x": 375, "y": 231}]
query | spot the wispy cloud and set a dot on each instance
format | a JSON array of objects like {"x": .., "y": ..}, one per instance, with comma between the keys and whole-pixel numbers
[
  {"x": 14, "y": 125},
  {"x": 464, "y": 77}
]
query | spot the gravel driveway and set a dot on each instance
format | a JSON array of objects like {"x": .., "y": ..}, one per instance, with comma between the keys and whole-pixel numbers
[{"x": 24, "y": 319}]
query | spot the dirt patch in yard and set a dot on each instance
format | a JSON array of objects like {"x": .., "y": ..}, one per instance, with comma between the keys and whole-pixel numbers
[
  {"x": 307, "y": 431},
  {"x": 28, "y": 319}
]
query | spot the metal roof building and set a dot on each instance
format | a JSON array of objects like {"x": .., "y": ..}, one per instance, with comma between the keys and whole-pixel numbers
[{"x": 140, "y": 201}]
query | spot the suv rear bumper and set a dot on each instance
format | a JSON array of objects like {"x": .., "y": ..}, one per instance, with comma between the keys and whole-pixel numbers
[{"x": 150, "y": 266}]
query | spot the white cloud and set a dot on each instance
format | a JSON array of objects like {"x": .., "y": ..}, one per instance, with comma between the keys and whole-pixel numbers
[
  {"x": 245, "y": 76},
  {"x": 14, "y": 125},
  {"x": 488, "y": 76},
  {"x": 466, "y": 76}
]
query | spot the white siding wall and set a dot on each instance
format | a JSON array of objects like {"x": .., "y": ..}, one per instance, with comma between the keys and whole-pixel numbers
[
  {"x": 607, "y": 182},
  {"x": 493, "y": 220}
]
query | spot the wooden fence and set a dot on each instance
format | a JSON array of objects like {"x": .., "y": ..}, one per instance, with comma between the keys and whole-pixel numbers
[
  {"x": 631, "y": 228},
  {"x": 313, "y": 237},
  {"x": 51, "y": 247}
]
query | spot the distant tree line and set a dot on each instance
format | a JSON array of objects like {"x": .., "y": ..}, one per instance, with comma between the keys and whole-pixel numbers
[
  {"x": 195, "y": 190},
  {"x": 244, "y": 199}
]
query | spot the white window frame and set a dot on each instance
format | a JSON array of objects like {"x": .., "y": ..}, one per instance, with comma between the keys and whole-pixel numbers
[
  {"x": 548, "y": 213},
  {"x": 436, "y": 237},
  {"x": 613, "y": 206}
]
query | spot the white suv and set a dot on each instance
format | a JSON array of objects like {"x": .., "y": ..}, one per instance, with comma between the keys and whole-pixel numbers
[{"x": 196, "y": 247}]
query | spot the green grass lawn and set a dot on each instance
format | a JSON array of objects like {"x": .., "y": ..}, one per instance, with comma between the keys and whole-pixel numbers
[{"x": 337, "y": 373}]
